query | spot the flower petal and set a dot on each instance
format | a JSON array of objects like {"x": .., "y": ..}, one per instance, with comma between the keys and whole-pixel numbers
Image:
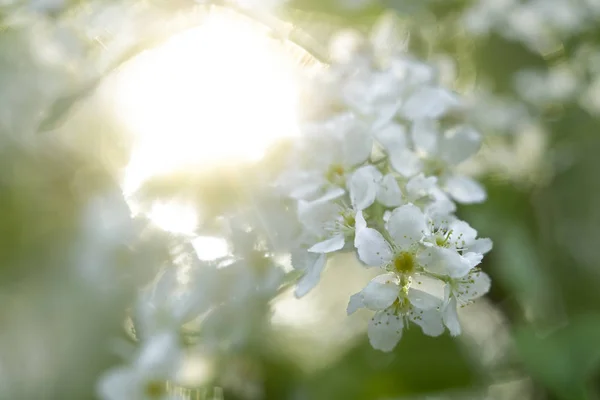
[
  {"x": 459, "y": 144},
  {"x": 473, "y": 286},
  {"x": 425, "y": 135},
  {"x": 357, "y": 144},
  {"x": 420, "y": 186},
  {"x": 423, "y": 300},
  {"x": 355, "y": 302},
  {"x": 393, "y": 137},
  {"x": 428, "y": 102},
  {"x": 389, "y": 193},
  {"x": 474, "y": 259},
  {"x": 380, "y": 293},
  {"x": 302, "y": 185},
  {"x": 330, "y": 245},
  {"x": 462, "y": 234},
  {"x": 450, "y": 317},
  {"x": 372, "y": 248},
  {"x": 314, "y": 215},
  {"x": 359, "y": 221},
  {"x": 444, "y": 261},
  {"x": 430, "y": 321},
  {"x": 405, "y": 162},
  {"x": 465, "y": 190},
  {"x": 482, "y": 246},
  {"x": 385, "y": 330},
  {"x": 406, "y": 225},
  {"x": 363, "y": 185},
  {"x": 314, "y": 266}
]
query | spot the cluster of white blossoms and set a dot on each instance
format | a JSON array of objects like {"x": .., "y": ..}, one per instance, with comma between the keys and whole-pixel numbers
[
  {"x": 374, "y": 172},
  {"x": 377, "y": 175}
]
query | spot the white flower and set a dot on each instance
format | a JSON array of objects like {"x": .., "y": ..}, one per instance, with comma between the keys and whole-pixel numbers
[
  {"x": 451, "y": 248},
  {"x": 394, "y": 138},
  {"x": 429, "y": 102},
  {"x": 394, "y": 309},
  {"x": 406, "y": 227},
  {"x": 330, "y": 219},
  {"x": 442, "y": 152},
  {"x": 425, "y": 193},
  {"x": 146, "y": 377},
  {"x": 334, "y": 149},
  {"x": 374, "y": 95},
  {"x": 312, "y": 264},
  {"x": 461, "y": 292}
]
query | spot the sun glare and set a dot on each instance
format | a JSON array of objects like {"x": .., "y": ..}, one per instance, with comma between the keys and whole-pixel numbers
[{"x": 217, "y": 94}]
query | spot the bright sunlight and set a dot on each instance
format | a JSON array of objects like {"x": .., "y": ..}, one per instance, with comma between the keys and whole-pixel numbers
[{"x": 213, "y": 95}]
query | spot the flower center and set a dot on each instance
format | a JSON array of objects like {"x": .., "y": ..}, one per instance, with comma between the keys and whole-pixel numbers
[
  {"x": 349, "y": 220},
  {"x": 442, "y": 238},
  {"x": 335, "y": 174},
  {"x": 404, "y": 263},
  {"x": 435, "y": 167}
]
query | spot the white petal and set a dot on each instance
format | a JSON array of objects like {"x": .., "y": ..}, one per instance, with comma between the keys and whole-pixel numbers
[
  {"x": 459, "y": 144},
  {"x": 306, "y": 185},
  {"x": 355, "y": 302},
  {"x": 330, "y": 245},
  {"x": 363, "y": 185},
  {"x": 312, "y": 276},
  {"x": 482, "y": 246},
  {"x": 450, "y": 317},
  {"x": 430, "y": 321},
  {"x": 428, "y": 102},
  {"x": 357, "y": 144},
  {"x": 315, "y": 215},
  {"x": 423, "y": 300},
  {"x": 330, "y": 195},
  {"x": 372, "y": 248},
  {"x": 465, "y": 190},
  {"x": 406, "y": 225},
  {"x": 359, "y": 222},
  {"x": 441, "y": 204},
  {"x": 380, "y": 293},
  {"x": 473, "y": 259},
  {"x": 444, "y": 261},
  {"x": 427, "y": 284},
  {"x": 462, "y": 234},
  {"x": 386, "y": 215},
  {"x": 389, "y": 193},
  {"x": 425, "y": 134},
  {"x": 302, "y": 259},
  {"x": 473, "y": 286},
  {"x": 393, "y": 137},
  {"x": 385, "y": 330},
  {"x": 420, "y": 186},
  {"x": 405, "y": 162}
]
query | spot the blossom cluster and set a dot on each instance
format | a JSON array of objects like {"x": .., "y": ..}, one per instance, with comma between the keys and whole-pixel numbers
[{"x": 376, "y": 174}]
